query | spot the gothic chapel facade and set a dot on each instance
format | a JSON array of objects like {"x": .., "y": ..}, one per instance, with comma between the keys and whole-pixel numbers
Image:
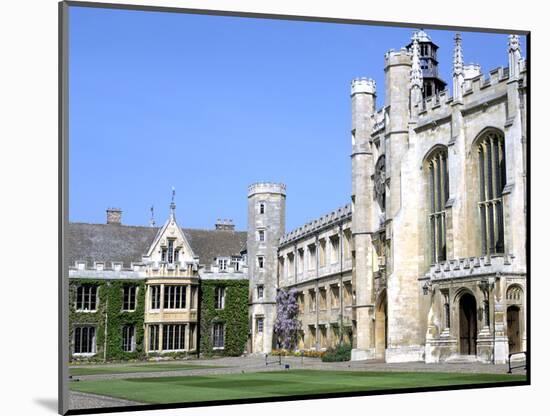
[{"x": 428, "y": 262}]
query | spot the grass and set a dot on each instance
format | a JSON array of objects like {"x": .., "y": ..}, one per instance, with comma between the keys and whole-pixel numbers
[
  {"x": 274, "y": 384},
  {"x": 133, "y": 368}
]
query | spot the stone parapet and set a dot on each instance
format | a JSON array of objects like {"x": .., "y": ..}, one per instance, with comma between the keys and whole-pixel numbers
[
  {"x": 394, "y": 58},
  {"x": 472, "y": 266},
  {"x": 363, "y": 86},
  {"x": 340, "y": 214},
  {"x": 266, "y": 187}
]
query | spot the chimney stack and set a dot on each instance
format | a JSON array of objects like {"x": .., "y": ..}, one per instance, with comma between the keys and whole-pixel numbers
[
  {"x": 114, "y": 216},
  {"x": 225, "y": 224}
]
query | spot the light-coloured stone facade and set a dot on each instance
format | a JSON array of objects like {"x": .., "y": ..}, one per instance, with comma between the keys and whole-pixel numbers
[
  {"x": 428, "y": 262},
  {"x": 266, "y": 224}
]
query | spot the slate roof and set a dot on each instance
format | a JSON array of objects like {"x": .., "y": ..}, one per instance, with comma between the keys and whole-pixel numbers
[{"x": 124, "y": 243}]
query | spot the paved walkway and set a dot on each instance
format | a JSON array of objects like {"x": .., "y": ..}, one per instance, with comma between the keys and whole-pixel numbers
[{"x": 232, "y": 365}]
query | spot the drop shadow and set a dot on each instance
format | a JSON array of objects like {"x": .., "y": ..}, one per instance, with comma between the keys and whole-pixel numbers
[{"x": 47, "y": 403}]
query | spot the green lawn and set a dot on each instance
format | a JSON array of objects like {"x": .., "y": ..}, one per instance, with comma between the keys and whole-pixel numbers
[
  {"x": 273, "y": 384},
  {"x": 133, "y": 368}
]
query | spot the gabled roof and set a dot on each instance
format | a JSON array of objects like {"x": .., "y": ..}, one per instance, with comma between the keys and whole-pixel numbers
[
  {"x": 208, "y": 244},
  {"x": 127, "y": 244}
]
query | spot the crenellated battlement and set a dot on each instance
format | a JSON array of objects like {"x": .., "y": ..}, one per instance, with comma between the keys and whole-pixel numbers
[
  {"x": 483, "y": 87},
  {"x": 363, "y": 86},
  {"x": 394, "y": 58},
  {"x": 331, "y": 218},
  {"x": 438, "y": 102},
  {"x": 266, "y": 188}
]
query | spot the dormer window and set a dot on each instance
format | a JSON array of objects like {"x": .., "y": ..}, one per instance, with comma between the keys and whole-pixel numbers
[
  {"x": 235, "y": 263},
  {"x": 222, "y": 264}
]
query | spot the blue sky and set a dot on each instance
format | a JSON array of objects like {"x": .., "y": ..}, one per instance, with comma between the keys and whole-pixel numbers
[{"x": 210, "y": 104}]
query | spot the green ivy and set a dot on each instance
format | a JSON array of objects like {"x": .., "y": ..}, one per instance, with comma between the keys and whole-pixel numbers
[
  {"x": 109, "y": 312},
  {"x": 234, "y": 315}
]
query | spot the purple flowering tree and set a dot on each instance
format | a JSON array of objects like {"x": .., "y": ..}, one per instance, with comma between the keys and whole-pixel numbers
[{"x": 287, "y": 324}]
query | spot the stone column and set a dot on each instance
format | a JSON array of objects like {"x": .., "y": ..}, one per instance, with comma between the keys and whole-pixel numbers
[{"x": 363, "y": 96}]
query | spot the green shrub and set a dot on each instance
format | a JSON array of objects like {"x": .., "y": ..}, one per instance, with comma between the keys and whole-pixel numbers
[{"x": 341, "y": 353}]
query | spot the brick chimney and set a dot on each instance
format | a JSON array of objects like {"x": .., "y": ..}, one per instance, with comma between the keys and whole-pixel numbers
[
  {"x": 225, "y": 224},
  {"x": 114, "y": 216}
]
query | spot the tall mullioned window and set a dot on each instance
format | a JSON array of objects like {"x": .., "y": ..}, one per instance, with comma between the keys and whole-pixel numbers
[
  {"x": 154, "y": 295},
  {"x": 128, "y": 338},
  {"x": 175, "y": 296},
  {"x": 218, "y": 335},
  {"x": 170, "y": 254},
  {"x": 438, "y": 177},
  {"x": 219, "y": 297},
  {"x": 129, "y": 298},
  {"x": 492, "y": 179},
  {"x": 84, "y": 340},
  {"x": 154, "y": 332},
  {"x": 86, "y": 298},
  {"x": 173, "y": 337}
]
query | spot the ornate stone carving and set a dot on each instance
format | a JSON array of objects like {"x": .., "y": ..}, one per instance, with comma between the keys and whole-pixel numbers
[{"x": 380, "y": 182}]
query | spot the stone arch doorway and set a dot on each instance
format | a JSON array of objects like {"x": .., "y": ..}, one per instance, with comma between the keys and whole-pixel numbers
[
  {"x": 512, "y": 318},
  {"x": 381, "y": 326},
  {"x": 467, "y": 324}
]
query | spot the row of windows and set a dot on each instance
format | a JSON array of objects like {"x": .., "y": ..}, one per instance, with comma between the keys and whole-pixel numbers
[
  {"x": 321, "y": 295},
  {"x": 175, "y": 296},
  {"x": 492, "y": 179},
  {"x": 309, "y": 262},
  {"x": 86, "y": 298},
  {"x": 173, "y": 337},
  {"x": 84, "y": 339}
]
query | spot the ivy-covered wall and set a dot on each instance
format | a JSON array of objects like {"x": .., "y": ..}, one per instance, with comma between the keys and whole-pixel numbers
[
  {"x": 109, "y": 315},
  {"x": 234, "y": 315}
]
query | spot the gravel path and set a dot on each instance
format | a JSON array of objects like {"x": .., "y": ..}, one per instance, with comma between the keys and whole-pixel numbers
[{"x": 79, "y": 400}]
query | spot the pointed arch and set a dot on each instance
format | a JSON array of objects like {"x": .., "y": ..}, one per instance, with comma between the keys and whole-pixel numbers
[
  {"x": 489, "y": 149},
  {"x": 437, "y": 175}
]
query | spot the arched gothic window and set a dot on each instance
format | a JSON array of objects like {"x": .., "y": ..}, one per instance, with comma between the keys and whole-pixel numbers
[
  {"x": 492, "y": 178},
  {"x": 438, "y": 177}
]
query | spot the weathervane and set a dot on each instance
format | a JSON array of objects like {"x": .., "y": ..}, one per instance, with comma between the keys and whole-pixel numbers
[
  {"x": 152, "y": 220},
  {"x": 173, "y": 204}
]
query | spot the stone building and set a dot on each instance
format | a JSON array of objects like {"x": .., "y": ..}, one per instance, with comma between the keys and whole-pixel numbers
[
  {"x": 137, "y": 291},
  {"x": 428, "y": 262}
]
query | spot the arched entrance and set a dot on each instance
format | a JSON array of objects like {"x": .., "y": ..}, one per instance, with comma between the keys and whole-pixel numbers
[
  {"x": 467, "y": 324},
  {"x": 381, "y": 326},
  {"x": 512, "y": 317}
]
